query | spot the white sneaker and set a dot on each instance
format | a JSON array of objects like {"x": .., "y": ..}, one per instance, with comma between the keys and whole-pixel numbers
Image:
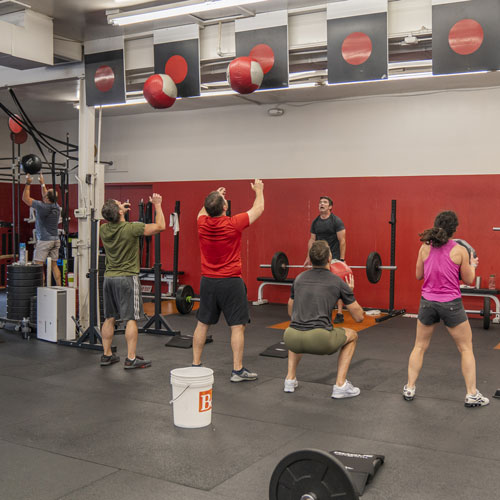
[
  {"x": 290, "y": 385},
  {"x": 346, "y": 391},
  {"x": 409, "y": 393},
  {"x": 472, "y": 400}
]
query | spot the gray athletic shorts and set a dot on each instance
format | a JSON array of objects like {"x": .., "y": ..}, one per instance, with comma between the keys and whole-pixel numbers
[
  {"x": 44, "y": 249},
  {"x": 316, "y": 341},
  {"x": 122, "y": 298},
  {"x": 452, "y": 313}
]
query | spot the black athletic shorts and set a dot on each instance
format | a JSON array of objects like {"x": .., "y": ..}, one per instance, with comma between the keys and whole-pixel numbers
[
  {"x": 452, "y": 313},
  {"x": 227, "y": 295}
]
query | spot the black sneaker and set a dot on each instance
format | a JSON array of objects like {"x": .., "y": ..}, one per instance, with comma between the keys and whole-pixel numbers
[
  {"x": 109, "y": 360},
  {"x": 138, "y": 362},
  {"x": 338, "y": 319}
]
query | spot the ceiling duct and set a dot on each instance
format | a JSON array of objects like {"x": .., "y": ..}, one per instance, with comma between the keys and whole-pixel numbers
[
  {"x": 67, "y": 51},
  {"x": 11, "y": 6},
  {"x": 26, "y": 37}
]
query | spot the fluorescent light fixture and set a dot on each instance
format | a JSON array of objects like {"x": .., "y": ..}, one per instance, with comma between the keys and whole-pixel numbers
[
  {"x": 406, "y": 76},
  {"x": 304, "y": 85},
  {"x": 164, "y": 12},
  {"x": 130, "y": 102}
]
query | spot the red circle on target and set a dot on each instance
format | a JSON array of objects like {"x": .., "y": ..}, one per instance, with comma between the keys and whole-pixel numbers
[
  {"x": 357, "y": 48},
  {"x": 104, "y": 78},
  {"x": 264, "y": 55},
  {"x": 465, "y": 37},
  {"x": 176, "y": 68}
]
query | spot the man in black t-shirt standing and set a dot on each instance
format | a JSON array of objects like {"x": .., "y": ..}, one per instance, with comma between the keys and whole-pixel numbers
[{"x": 327, "y": 226}]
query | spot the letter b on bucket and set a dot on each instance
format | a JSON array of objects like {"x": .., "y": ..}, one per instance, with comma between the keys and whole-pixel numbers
[{"x": 192, "y": 396}]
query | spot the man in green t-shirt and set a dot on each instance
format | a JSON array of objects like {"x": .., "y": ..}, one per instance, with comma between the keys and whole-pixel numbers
[{"x": 122, "y": 288}]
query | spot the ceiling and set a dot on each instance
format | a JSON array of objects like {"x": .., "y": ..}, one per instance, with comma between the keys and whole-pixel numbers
[{"x": 86, "y": 20}]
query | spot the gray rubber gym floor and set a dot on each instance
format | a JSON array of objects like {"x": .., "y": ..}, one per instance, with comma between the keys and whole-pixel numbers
[{"x": 72, "y": 430}]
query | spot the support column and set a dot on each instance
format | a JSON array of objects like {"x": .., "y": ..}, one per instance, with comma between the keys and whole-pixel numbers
[{"x": 86, "y": 179}]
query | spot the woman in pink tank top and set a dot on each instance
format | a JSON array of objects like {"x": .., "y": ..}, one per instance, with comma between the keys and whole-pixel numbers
[{"x": 441, "y": 263}]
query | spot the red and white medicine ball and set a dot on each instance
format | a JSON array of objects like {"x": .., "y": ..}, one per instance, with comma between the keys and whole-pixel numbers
[
  {"x": 160, "y": 91},
  {"x": 341, "y": 269},
  {"x": 244, "y": 75},
  {"x": 14, "y": 126}
]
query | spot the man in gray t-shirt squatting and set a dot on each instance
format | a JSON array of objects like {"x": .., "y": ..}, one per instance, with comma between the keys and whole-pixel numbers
[
  {"x": 313, "y": 298},
  {"x": 46, "y": 221}
]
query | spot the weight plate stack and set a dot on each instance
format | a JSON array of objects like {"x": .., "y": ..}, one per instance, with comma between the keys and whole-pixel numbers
[{"x": 22, "y": 284}]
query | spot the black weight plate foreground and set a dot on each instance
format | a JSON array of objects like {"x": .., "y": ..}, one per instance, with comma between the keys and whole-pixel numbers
[
  {"x": 486, "y": 313},
  {"x": 24, "y": 279},
  {"x": 22, "y": 289},
  {"x": 17, "y": 315},
  {"x": 279, "y": 266},
  {"x": 16, "y": 270},
  {"x": 18, "y": 302},
  {"x": 312, "y": 472},
  {"x": 19, "y": 307},
  {"x": 183, "y": 300},
  {"x": 373, "y": 271},
  {"x": 20, "y": 292}
]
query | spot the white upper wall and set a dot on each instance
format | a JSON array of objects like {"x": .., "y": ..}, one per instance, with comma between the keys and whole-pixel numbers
[{"x": 445, "y": 133}]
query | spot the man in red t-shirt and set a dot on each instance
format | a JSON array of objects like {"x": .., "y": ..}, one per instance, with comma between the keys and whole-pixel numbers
[{"x": 222, "y": 288}]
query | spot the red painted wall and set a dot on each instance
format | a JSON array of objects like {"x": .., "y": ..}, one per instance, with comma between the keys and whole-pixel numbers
[{"x": 364, "y": 204}]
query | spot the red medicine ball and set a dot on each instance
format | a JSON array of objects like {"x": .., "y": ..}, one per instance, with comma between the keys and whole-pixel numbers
[
  {"x": 341, "y": 269},
  {"x": 160, "y": 91},
  {"x": 244, "y": 75}
]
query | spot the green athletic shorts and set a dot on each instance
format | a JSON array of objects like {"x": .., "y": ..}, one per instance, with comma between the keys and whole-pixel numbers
[{"x": 316, "y": 341}]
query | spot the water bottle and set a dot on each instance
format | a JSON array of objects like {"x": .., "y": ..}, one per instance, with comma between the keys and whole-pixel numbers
[
  {"x": 492, "y": 285},
  {"x": 22, "y": 253}
]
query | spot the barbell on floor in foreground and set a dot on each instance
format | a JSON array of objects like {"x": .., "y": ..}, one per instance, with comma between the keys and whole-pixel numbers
[
  {"x": 279, "y": 267},
  {"x": 316, "y": 475}
]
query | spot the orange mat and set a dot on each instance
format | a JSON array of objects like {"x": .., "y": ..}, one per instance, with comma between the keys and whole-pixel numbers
[{"x": 367, "y": 322}]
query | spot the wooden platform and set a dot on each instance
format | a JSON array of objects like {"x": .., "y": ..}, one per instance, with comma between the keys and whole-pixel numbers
[{"x": 367, "y": 322}]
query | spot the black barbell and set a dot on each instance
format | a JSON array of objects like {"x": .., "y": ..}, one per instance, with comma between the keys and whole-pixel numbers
[
  {"x": 279, "y": 267},
  {"x": 185, "y": 299}
]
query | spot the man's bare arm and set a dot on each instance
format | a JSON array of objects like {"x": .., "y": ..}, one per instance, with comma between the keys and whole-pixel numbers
[
  {"x": 159, "y": 224},
  {"x": 342, "y": 243},
  {"x": 258, "y": 205},
  {"x": 356, "y": 311},
  {"x": 42, "y": 185},
  {"x": 26, "y": 192}
]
